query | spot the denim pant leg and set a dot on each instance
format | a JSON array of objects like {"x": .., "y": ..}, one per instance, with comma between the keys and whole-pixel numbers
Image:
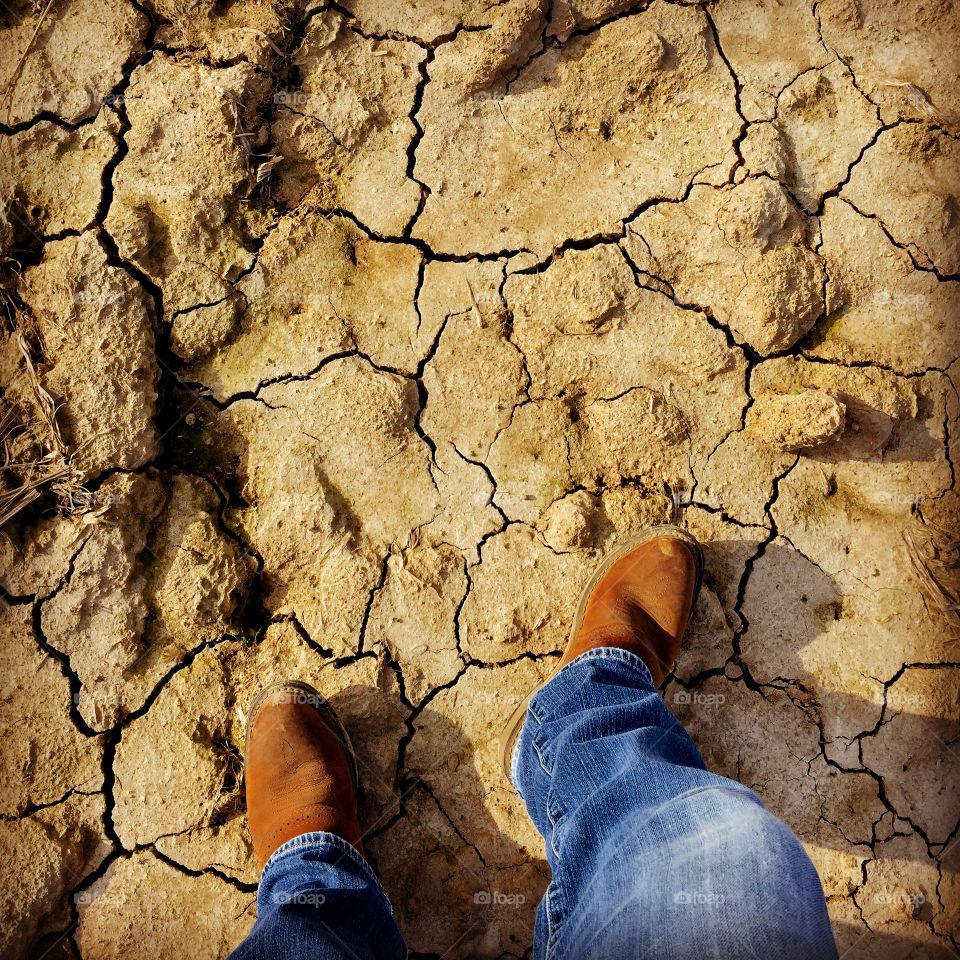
[
  {"x": 652, "y": 856},
  {"x": 320, "y": 900}
]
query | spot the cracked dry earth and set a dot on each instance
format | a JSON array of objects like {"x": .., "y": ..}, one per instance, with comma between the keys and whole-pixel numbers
[{"x": 369, "y": 327}]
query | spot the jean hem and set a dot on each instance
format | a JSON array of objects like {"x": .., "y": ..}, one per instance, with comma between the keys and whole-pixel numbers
[
  {"x": 618, "y": 654},
  {"x": 321, "y": 841}
]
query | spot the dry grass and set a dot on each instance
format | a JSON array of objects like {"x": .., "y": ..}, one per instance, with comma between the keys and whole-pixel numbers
[
  {"x": 935, "y": 557},
  {"x": 265, "y": 170},
  {"x": 916, "y": 97},
  {"x": 23, "y": 481},
  {"x": 33, "y": 455},
  {"x": 9, "y": 277}
]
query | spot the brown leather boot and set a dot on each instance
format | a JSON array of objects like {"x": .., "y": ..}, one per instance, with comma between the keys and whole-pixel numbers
[
  {"x": 640, "y": 599},
  {"x": 301, "y": 773}
]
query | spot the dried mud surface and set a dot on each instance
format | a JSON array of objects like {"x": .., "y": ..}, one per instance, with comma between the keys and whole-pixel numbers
[{"x": 368, "y": 327}]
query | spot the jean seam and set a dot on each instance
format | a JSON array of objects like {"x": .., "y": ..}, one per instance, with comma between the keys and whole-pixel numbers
[
  {"x": 536, "y": 741},
  {"x": 735, "y": 787},
  {"x": 553, "y": 909},
  {"x": 548, "y": 949},
  {"x": 554, "y": 919},
  {"x": 515, "y": 753},
  {"x": 557, "y": 815},
  {"x": 549, "y": 896},
  {"x": 540, "y": 758}
]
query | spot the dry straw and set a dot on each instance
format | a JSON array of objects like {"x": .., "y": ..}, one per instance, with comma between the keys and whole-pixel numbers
[
  {"x": 50, "y": 465},
  {"x": 936, "y": 559}
]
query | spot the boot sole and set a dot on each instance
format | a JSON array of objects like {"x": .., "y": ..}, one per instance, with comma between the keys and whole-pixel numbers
[
  {"x": 327, "y": 714},
  {"x": 513, "y": 726}
]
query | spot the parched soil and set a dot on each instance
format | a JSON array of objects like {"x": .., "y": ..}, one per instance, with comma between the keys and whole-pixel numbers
[{"x": 339, "y": 341}]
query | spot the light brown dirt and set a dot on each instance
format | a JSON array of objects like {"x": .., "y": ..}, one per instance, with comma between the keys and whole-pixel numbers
[{"x": 365, "y": 330}]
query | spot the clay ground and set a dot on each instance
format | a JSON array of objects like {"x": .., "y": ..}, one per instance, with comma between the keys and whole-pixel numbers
[{"x": 341, "y": 340}]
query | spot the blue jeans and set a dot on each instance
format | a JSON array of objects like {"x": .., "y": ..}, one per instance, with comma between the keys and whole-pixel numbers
[{"x": 652, "y": 856}]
